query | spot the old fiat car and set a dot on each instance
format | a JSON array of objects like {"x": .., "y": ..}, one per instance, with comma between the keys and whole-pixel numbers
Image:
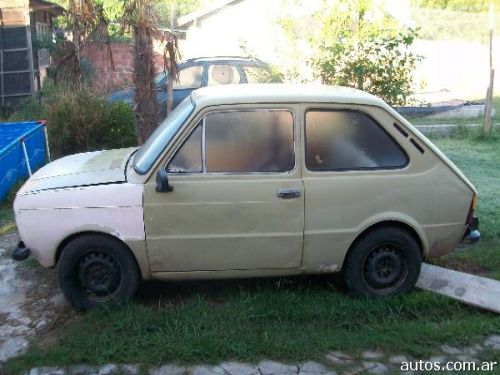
[{"x": 249, "y": 181}]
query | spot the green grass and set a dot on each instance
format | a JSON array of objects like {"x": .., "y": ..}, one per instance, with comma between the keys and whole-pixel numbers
[
  {"x": 479, "y": 159},
  {"x": 255, "y": 320},
  {"x": 7, "y": 224},
  {"x": 6, "y": 220},
  {"x": 289, "y": 319}
]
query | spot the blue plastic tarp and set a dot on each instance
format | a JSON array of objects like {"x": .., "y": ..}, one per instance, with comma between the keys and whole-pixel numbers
[{"x": 12, "y": 161}]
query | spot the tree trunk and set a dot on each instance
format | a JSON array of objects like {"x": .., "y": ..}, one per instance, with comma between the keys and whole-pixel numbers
[
  {"x": 170, "y": 94},
  {"x": 145, "y": 94}
]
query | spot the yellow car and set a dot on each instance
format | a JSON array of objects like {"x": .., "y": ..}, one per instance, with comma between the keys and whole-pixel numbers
[{"x": 250, "y": 181}]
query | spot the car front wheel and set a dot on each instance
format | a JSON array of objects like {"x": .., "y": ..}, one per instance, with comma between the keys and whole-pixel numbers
[
  {"x": 96, "y": 270},
  {"x": 385, "y": 262}
]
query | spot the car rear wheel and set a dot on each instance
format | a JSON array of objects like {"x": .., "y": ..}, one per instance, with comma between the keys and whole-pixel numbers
[
  {"x": 96, "y": 270},
  {"x": 384, "y": 262}
]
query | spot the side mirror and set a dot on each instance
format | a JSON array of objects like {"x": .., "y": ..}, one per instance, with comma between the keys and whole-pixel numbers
[{"x": 162, "y": 185}]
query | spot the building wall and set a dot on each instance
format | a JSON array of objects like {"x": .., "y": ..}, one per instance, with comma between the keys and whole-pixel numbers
[
  {"x": 106, "y": 78},
  {"x": 247, "y": 26},
  {"x": 458, "y": 66},
  {"x": 16, "y": 68}
]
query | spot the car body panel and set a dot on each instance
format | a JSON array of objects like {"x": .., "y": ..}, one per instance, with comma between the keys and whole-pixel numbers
[
  {"x": 366, "y": 198},
  {"x": 84, "y": 169},
  {"x": 69, "y": 211},
  {"x": 223, "y": 223}
]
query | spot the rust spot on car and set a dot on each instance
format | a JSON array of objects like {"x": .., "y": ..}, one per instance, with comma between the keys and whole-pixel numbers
[{"x": 329, "y": 268}]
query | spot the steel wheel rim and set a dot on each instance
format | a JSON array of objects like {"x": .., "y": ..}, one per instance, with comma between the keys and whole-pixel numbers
[
  {"x": 384, "y": 269},
  {"x": 99, "y": 275}
]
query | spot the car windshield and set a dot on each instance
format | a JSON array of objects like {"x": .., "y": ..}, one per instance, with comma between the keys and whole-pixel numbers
[
  {"x": 160, "y": 77},
  {"x": 161, "y": 137}
]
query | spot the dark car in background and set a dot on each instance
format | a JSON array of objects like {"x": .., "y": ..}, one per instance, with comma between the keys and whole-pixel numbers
[{"x": 200, "y": 72}]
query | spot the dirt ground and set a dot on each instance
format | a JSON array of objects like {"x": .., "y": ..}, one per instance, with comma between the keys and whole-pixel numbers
[{"x": 30, "y": 301}]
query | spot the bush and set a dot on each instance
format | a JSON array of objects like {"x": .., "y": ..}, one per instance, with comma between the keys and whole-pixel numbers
[
  {"x": 80, "y": 121},
  {"x": 380, "y": 65},
  {"x": 358, "y": 47}
]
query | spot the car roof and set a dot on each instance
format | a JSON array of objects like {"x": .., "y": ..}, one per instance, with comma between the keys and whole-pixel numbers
[
  {"x": 225, "y": 58},
  {"x": 282, "y": 93}
]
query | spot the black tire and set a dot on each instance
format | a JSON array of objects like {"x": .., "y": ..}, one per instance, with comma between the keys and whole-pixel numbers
[
  {"x": 384, "y": 262},
  {"x": 96, "y": 270}
]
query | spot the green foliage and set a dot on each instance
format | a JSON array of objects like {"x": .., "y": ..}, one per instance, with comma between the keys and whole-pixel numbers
[
  {"x": 461, "y": 5},
  {"x": 382, "y": 66},
  {"x": 180, "y": 8},
  {"x": 80, "y": 121},
  {"x": 363, "y": 49}
]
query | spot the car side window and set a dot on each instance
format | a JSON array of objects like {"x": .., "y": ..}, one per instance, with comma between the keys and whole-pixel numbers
[
  {"x": 339, "y": 140},
  {"x": 239, "y": 142},
  {"x": 249, "y": 141},
  {"x": 189, "y": 78},
  {"x": 188, "y": 158},
  {"x": 223, "y": 75}
]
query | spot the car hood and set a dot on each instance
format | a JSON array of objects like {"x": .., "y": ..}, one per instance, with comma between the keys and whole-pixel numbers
[{"x": 90, "y": 168}]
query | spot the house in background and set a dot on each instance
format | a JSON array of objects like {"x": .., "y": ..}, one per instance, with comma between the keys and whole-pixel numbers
[
  {"x": 255, "y": 27},
  {"x": 458, "y": 65},
  {"x": 22, "y": 69}
]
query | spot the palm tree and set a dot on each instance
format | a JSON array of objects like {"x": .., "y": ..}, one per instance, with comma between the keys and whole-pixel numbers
[
  {"x": 139, "y": 17},
  {"x": 88, "y": 23}
]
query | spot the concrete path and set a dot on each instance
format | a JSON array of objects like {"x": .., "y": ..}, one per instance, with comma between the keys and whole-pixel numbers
[{"x": 30, "y": 301}]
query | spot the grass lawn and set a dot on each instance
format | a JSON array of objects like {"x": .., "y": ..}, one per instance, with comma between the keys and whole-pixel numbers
[
  {"x": 480, "y": 161},
  {"x": 7, "y": 224},
  {"x": 287, "y": 319}
]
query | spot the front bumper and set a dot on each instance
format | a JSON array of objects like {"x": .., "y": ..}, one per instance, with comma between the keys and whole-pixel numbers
[
  {"x": 472, "y": 234},
  {"x": 21, "y": 252}
]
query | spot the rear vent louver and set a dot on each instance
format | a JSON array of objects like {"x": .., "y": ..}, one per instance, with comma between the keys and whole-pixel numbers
[
  {"x": 400, "y": 129},
  {"x": 417, "y": 146}
]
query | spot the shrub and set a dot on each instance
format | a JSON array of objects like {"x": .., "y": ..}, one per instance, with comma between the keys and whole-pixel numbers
[
  {"x": 358, "y": 47},
  {"x": 380, "y": 65},
  {"x": 80, "y": 121}
]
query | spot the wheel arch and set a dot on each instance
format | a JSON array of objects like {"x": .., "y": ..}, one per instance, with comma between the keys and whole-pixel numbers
[
  {"x": 389, "y": 224},
  {"x": 76, "y": 235}
]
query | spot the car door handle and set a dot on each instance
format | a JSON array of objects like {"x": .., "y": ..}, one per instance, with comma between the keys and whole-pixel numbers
[{"x": 285, "y": 193}]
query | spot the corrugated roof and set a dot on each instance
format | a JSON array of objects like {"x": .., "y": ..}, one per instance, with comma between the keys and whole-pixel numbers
[{"x": 204, "y": 12}]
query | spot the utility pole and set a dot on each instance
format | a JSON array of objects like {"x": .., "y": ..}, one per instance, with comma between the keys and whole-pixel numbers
[{"x": 489, "y": 92}]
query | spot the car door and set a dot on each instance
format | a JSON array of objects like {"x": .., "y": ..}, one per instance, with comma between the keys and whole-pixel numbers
[{"x": 237, "y": 201}]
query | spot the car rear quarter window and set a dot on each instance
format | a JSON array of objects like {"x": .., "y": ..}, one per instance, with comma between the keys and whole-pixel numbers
[
  {"x": 189, "y": 78},
  {"x": 223, "y": 75},
  {"x": 338, "y": 140}
]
